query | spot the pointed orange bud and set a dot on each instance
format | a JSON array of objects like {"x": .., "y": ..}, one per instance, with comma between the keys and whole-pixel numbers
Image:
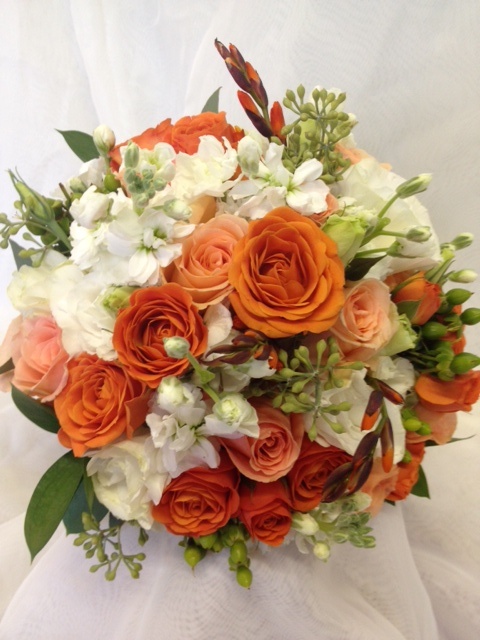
[
  {"x": 390, "y": 394},
  {"x": 372, "y": 411},
  {"x": 253, "y": 113},
  {"x": 277, "y": 120}
]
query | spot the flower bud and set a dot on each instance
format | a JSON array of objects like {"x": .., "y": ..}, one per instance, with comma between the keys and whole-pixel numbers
[
  {"x": 176, "y": 347},
  {"x": 347, "y": 232},
  {"x": 463, "y": 362},
  {"x": 103, "y": 139},
  {"x": 305, "y": 524},
  {"x": 465, "y": 276},
  {"x": 463, "y": 240},
  {"x": 238, "y": 552},
  {"x": 322, "y": 551},
  {"x": 117, "y": 298},
  {"x": 131, "y": 156},
  {"x": 470, "y": 316},
  {"x": 193, "y": 555},
  {"x": 414, "y": 185},
  {"x": 434, "y": 330},
  {"x": 419, "y": 234}
]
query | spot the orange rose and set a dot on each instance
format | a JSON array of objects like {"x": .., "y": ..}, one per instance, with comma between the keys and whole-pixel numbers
[
  {"x": 202, "y": 269},
  {"x": 266, "y": 512},
  {"x": 200, "y": 501},
  {"x": 418, "y": 290},
  {"x": 379, "y": 485},
  {"x": 156, "y": 313},
  {"x": 184, "y": 135},
  {"x": 310, "y": 471},
  {"x": 408, "y": 472},
  {"x": 286, "y": 276},
  {"x": 273, "y": 453},
  {"x": 99, "y": 403},
  {"x": 458, "y": 394}
]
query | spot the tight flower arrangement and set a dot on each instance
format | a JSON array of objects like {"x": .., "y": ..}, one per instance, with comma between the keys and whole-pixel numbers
[{"x": 243, "y": 337}]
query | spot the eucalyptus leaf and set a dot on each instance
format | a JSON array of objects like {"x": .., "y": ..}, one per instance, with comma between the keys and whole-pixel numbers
[
  {"x": 40, "y": 414},
  {"x": 211, "y": 105},
  {"x": 81, "y": 144},
  {"x": 51, "y": 499},
  {"x": 19, "y": 261},
  {"x": 81, "y": 503},
  {"x": 421, "y": 486}
]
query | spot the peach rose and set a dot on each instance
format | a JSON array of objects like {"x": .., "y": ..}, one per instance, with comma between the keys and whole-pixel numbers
[
  {"x": 202, "y": 209},
  {"x": 266, "y": 512},
  {"x": 273, "y": 453},
  {"x": 200, "y": 501},
  {"x": 184, "y": 135},
  {"x": 408, "y": 472},
  {"x": 99, "y": 403},
  {"x": 458, "y": 394},
  {"x": 310, "y": 471},
  {"x": 202, "y": 269},
  {"x": 286, "y": 275},
  {"x": 417, "y": 290},
  {"x": 332, "y": 206},
  {"x": 367, "y": 321},
  {"x": 156, "y": 313},
  {"x": 379, "y": 485},
  {"x": 35, "y": 346},
  {"x": 442, "y": 425}
]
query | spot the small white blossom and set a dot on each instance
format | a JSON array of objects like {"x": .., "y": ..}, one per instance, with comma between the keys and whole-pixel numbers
[{"x": 232, "y": 416}]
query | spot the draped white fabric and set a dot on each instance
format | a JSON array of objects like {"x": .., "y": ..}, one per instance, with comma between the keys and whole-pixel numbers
[{"x": 411, "y": 74}]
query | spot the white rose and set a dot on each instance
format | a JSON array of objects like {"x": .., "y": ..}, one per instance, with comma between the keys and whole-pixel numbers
[{"x": 232, "y": 416}]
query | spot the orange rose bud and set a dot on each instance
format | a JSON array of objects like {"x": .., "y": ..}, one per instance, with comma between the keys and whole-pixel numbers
[
  {"x": 266, "y": 512},
  {"x": 458, "y": 394},
  {"x": 200, "y": 501},
  {"x": 426, "y": 295},
  {"x": 287, "y": 276},
  {"x": 99, "y": 403},
  {"x": 156, "y": 313}
]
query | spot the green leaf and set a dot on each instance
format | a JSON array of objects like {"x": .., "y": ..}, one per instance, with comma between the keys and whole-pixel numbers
[
  {"x": 421, "y": 487},
  {"x": 51, "y": 499},
  {"x": 40, "y": 414},
  {"x": 409, "y": 308},
  {"x": 19, "y": 261},
  {"x": 211, "y": 105},
  {"x": 7, "y": 366},
  {"x": 81, "y": 144},
  {"x": 81, "y": 503},
  {"x": 359, "y": 267}
]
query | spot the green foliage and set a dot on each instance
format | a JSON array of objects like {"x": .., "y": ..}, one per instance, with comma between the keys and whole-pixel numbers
[
  {"x": 81, "y": 144},
  {"x": 211, "y": 105},
  {"x": 84, "y": 501},
  {"x": 40, "y": 414},
  {"x": 51, "y": 499},
  {"x": 421, "y": 487}
]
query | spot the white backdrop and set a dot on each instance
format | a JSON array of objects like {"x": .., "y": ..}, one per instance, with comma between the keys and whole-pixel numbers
[{"x": 411, "y": 74}]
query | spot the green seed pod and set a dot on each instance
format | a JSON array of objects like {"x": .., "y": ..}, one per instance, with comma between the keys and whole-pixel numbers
[
  {"x": 207, "y": 542},
  {"x": 111, "y": 183},
  {"x": 244, "y": 577},
  {"x": 192, "y": 555},
  {"x": 464, "y": 362},
  {"x": 470, "y": 316},
  {"x": 458, "y": 296},
  {"x": 238, "y": 552},
  {"x": 433, "y": 330}
]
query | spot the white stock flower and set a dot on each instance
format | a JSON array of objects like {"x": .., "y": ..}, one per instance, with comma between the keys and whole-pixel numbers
[
  {"x": 87, "y": 244},
  {"x": 356, "y": 392},
  {"x": 90, "y": 207},
  {"x": 127, "y": 477},
  {"x": 273, "y": 184},
  {"x": 305, "y": 524},
  {"x": 232, "y": 417}
]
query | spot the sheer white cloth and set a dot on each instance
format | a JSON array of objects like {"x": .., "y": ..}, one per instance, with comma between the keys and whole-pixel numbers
[{"x": 411, "y": 75}]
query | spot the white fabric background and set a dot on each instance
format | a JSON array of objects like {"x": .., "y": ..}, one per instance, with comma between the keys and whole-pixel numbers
[{"x": 412, "y": 78}]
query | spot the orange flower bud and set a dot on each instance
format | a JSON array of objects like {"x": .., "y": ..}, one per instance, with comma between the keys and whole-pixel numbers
[{"x": 423, "y": 296}]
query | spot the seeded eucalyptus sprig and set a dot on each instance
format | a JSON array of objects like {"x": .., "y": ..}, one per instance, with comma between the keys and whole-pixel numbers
[
  {"x": 318, "y": 128},
  {"x": 97, "y": 541}
]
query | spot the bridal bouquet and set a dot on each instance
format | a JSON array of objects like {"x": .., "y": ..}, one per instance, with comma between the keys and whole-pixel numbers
[{"x": 243, "y": 338}]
